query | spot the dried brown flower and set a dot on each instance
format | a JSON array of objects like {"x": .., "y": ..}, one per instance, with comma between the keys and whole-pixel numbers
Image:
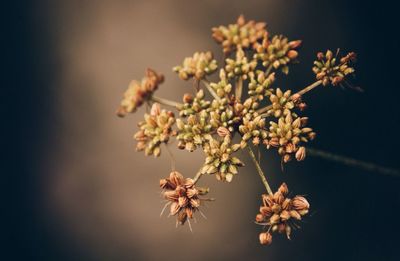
[
  {"x": 332, "y": 70},
  {"x": 137, "y": 93},
  {"x": 182, "y": 196},
  {"x": 280, "y": 213}
]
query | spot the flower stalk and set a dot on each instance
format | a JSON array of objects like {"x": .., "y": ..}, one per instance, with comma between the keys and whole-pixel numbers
[
  {"x": 303, "y": 91},
  {"x": 164, "y": 101},
  {"x": 259, "y": 171},
  {"x": 212, "y": 92}
]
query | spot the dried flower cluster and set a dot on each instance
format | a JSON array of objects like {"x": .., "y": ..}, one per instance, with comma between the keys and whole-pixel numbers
[
  {"x": 246, "y": 110},
  {"x": 154, "y": 130},
  {"x": 182, "y": 195},
  {"x": 198, "y": 66},
  {"x": 139, "y": 92},
  {"x": 278, "y": 213}
]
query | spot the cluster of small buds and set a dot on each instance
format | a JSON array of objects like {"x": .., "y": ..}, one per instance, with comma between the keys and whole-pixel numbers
[
  {"x": 198, "y": 66},
  {"x": 282, "y": 103},
  {"x": 182, "y": 196},
  {"x": 194, "y": 132},
  {"x": 222, "y": 114},
  {"x": 223, "y": 87},
  {"x": 260, "y": 84},
  {"x": 154, "y": 130},
  {"x": 137, "y": 93},
  {"x": 192, "y": 105},
  {"x": 280, "y": 213},
  {"x": 219, "y": 159},
  {"x": 242, "y": 34},
  {"x": 329, "y": 70},
  {"x": 277, "y": 52},
  {"x": 287, "y": 135},
  {"x": 253, "y": 127},
  {"x": 240, "y": 66},
  {"x": 242, "y": 109},
  {"x": 252, "y": 60}
]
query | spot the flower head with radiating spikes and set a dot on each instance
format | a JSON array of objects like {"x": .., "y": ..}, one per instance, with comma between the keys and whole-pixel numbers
[
  {"x": 182, "y": 195},
  {"x": 280, "y": 213}
]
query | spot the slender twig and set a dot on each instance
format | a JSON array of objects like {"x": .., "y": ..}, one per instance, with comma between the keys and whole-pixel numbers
[
  {"x": 197, "y": 177},
  {"x": 310, "y": 87},
  {"x": 303, "y": 91},
  {"x": 165, "y": 101},
  {"x": 172, "y": 158},
  {"x": 239, "y": 88},
  {"x": 259, "y": 171},
  {"x": 353, "y": 162},
  {"x": 207, "y": 84}
]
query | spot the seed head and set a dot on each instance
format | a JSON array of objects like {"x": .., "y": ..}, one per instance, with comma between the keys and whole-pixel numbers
[{"x": 138, "y": 92}]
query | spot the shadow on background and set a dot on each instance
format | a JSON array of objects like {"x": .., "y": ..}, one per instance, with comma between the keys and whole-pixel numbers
[{"x": 78, "y": 190}]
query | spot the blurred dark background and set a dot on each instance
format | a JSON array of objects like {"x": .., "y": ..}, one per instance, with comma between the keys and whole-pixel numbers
[{"x": 76, "y": 190}]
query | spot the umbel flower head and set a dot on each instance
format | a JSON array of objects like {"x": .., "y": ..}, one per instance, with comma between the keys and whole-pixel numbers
[
  {"x": 198, "y": 66},
  {"x": 332, "y": 69},
  {"x": 194, "y": 132},
  {"x": 154, "y": 130},
  {"x": 277, "y": 52},
  {"x": 234, "y": 117},
  {"x": 241, "y": 66},
  {"x": 280, "y": 214},
  {"x": 242, "y": 34},
  {"x": 138, "y": 92},
  {"x": 220, "y": 161},
  {"x": 223, "y": 87},
  {"x": 182, "y": 196},
  {"x": 260, "y": 84},
  {"x": 288, "y": 135},
  {"x": 282, "y": 103},
  {"x": 192, "y": 105}
]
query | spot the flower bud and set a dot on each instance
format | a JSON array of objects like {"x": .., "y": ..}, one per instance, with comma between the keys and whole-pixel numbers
[
  {"x": 187, "y": 98},
  {"x": 283, "y": 189},
  {"x": 301, "y": 154},
  {"x": 294, "y": 44},
  {"x": 222, "y": 131},
  {"x": 155, "y": 109},
  {"x": 292, "y": 54},
  {"x": 300, "y": 203},
  {"x": 259, "y": 218},
  {"x": 265, "y": 238}
]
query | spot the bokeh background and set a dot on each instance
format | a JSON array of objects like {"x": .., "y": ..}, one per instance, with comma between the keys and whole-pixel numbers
[{"x": 79, "y": 191}]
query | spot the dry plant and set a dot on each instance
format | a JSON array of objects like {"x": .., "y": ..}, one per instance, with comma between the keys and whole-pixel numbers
[{"x": 247, "y": 111}]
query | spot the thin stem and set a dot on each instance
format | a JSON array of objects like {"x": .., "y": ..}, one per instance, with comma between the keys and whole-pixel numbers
[
  {"x": 309, "y": 87},
  {"x": 207, "y": 84},
  {"x": 353, "y": 162},
  {"x": 173, "y": 162},
  {"x": 259, "y": 170},
  {"x": 165, "y": 101},
  {"x": 239, "y": 88},
  {"x": 197, "y": 177},
  {"x": 303, "y": 91}
]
